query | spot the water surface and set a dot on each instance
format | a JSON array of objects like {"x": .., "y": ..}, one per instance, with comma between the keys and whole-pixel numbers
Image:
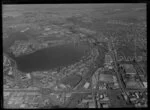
[{"x": 51, "y": 57}]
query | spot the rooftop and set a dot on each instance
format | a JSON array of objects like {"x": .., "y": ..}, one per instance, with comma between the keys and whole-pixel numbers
[
  {"x": 129, "y": 69},
  {"x": 106, "y": 78},
  {"x": 133, "y": 84}
]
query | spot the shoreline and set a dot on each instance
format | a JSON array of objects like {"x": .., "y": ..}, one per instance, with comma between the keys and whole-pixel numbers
[{"x": 83, "y": 58}]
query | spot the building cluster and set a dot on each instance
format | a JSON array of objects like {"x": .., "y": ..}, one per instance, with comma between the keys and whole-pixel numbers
[
  {"x": 132, "y": 78},
  {"x": 105, "y": 78},
  {"x": 96, "y": 100},
  {"x": 75, "y": 33},
  {"x": 83, "y": 18},
  {"x": 32, "y": 98},
  {"x": 55, "y": 30},
  {"x": 87, "y": 102},
  {"x": 46, "y": 80},
  {"x": 8, "y": 77},
  {"x": 119, "y": 22},
  {"x": 86, "y": 31},
  {"x": 13, "y": 78},
  {"x": 138, "y": 98},
  {"x": 7, "y": 69},
  {"x": 87, "y": 19},
  {"x": 135, "y": 83},
  {"x": 25, "y": 47},
  {"x": 23, "y": 99},
  {"x": 81, "y": 67},
  {"x": 102, "y": 100},
  {"x": 58, "y": 98},
  {"x": 20, "y": 47}
]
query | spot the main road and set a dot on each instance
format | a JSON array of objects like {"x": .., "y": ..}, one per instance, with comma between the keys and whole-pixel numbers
[{"x": 114, "y": 56}]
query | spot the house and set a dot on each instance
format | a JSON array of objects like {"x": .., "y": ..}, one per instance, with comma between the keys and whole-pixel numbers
[
  {"x": 28, "y": 75},
  {"x": 145, "y": 84},
  {"x": 87, "y": 84},
  {"x": 62, "y": 86},
  {"x": 10, "y": 72},
  {"x": 101, "y": 96}
]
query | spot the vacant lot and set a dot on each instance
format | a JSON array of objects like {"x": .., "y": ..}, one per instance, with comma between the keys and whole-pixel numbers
[
  {"x": 71, "y": 80},
  {"x": 76, "y": 99}
]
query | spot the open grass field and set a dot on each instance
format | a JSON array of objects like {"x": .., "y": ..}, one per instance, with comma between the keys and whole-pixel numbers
[{"x": 71, "y": 80}]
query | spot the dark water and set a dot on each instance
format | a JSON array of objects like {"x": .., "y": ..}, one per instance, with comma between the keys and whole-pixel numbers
[
  {"x": 51, "y": 57},
  {"x": 47, "y": 58}
]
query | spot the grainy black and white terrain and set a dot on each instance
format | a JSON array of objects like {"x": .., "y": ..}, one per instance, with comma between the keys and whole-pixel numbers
[{"x": 74, "y": 55}]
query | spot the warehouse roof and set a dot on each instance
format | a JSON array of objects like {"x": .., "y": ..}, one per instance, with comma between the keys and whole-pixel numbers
[
  {"x": 129, "y": 69},
  {"x": 133, "y": 84},
  {"x": 106, "y": 78}
]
